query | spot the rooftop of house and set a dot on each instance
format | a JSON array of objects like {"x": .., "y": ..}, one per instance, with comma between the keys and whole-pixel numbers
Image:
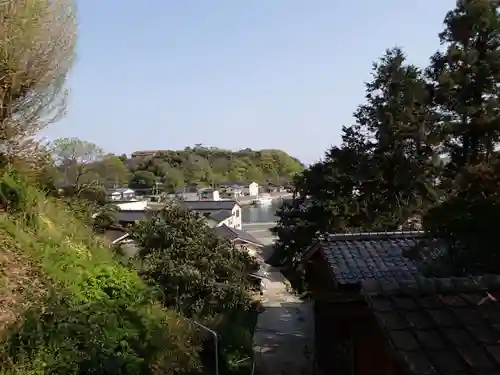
[
  {"x": 233, "y": 234},
  {"x": 131, "y": 216},
  {"x": 120, "y": 190},
  {"x": 209, "y": 205},
  {"x": 221, "y": 215},
  {"x": 114, "y": 233},
  {"x": 440, "y": 326},
  {"x": 354, "y": 258}
]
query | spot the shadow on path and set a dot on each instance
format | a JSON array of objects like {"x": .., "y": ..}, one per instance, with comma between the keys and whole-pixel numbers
[{"x": 283, "y": 341}]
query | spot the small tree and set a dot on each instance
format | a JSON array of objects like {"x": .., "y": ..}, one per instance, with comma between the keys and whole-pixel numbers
[
  {"x": 38, "y": 46},
  {"x": 200, "y": 273},
  {"x": 111, "y": 171},
  {"x": 77, "y": 161}
]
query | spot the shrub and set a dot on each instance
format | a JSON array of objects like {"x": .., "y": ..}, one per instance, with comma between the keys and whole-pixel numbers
[{"x": 99, "y": 317}]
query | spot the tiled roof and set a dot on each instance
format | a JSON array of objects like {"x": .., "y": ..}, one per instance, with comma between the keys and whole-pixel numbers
[
  {"x": 113, "y": 234},
  {"x": 235, "y": 234},
  {"x": 129, "y": 216},
  {"x": 370, "y": 256},
  {"x": 119, "y": 190},
  {"x": 221, "y": 215},
  {"x": 207, "y": 205},
  {"x": 441, "y": 326}
]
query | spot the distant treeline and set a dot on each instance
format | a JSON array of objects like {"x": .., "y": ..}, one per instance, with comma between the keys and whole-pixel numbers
[{"x": 206, "y": 166}]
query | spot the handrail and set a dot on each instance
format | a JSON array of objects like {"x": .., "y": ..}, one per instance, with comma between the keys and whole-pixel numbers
[{"x": 216, "y": 339}]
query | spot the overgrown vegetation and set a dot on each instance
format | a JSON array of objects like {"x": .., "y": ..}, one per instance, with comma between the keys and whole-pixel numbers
[
  {"x": 66, "y": 306},
  {"x": 201, "y": 275},
  {"x": 423, "y": 145},
  {"x": 95, "y": 316}
]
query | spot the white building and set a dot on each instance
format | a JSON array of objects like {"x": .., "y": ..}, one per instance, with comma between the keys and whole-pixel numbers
[
  {"x": 133, "y": 206},
  {"x": 217, "y": 212},
  {"x": 253, "y": 189},
  {"x": 121, "y": 194}
]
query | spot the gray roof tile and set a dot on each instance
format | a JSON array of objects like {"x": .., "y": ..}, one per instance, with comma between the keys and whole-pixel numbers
[
  {"x": 368, "y": 257},
  {"x": 441, "y": 326},
  {"x": 234, "y": 234},
  {"x": 127, "y": 216},
  {"x": 221, "y": 215}
]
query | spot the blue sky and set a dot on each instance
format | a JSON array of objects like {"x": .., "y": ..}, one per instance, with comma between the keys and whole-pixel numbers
[{"x": 232, "y": 73}]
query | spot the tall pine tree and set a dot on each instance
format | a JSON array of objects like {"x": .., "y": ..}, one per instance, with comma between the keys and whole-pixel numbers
[
  {"x": 397, "y": 123},
  {"x": 466, "y": 83}
]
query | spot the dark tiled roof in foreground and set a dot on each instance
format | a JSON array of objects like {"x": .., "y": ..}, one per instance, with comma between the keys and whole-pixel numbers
[
  {"x": 370, "y": 256},
  {"x": 441, "y": 326}
]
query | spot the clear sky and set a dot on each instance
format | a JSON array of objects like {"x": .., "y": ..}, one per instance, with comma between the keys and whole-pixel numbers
[{"x": 166, "y": 74}]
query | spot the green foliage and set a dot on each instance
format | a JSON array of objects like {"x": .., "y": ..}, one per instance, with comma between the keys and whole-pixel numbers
[
  {"x": 467, "y": 221},
  {"x": 382, "y": 173},
  {"x": 424, "y": 143},
  {"x": 465, "y": 79},
  {"x": 105, "y": 336},
  {"x": 99, "y": 316},
  {"x": 84, "y": 165},
  {"x": 200, "y": 273},
  {"x": 209, "y": 165},
  {"x": 236, "y": 338}
]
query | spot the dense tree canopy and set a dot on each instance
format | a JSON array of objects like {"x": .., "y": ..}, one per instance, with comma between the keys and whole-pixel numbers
[
  {"x": 200, "y": 273},
  {"x": 424, "y": 144},
  {"x": 466, "y": 81},
  {"x": 382, "y": 173},
  {"x": 210, "y": 165}
]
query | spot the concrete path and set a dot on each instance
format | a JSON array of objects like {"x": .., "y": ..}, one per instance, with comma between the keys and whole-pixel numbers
[{"x": 284, "y": 336}]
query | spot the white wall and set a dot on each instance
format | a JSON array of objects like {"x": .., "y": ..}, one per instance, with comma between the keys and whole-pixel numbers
[
  {"x": 133, "y": 206},
  {"x": 253, "y": 189},
  {"x": 229, "y": 222},
  {"x": 237, "y": 223}
]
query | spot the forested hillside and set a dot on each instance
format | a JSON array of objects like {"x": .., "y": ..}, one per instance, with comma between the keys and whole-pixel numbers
[{"x": 210, "y": 165}]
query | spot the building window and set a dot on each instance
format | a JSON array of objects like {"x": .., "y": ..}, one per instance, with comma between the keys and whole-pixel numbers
[{"x": 237, "y": 213}]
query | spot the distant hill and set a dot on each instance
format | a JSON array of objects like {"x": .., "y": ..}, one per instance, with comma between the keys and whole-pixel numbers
[{"x": 205, "y": 166}]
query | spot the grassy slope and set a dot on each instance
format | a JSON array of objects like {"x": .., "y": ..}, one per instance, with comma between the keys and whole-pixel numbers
[{"x": 50, "y": 255}]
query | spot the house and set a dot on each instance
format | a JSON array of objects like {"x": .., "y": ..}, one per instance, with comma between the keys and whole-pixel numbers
[
  {"x": 253, "y": 189},
  {"x": 121, "y": 194},
  {"x": 133, "y": 206},
  {"x": 435, "y": 326},
  {"x": 184, "y": 196},
  {"x": 274, "y": 188},
  {"x": 218, "y": 212},
  {"x": 335, "y": 268},
  {"x": 186, "y": 189},
  {"x": 232, "y": 188},
  {"x": 129, "y": 217},
  {"x": 209, "y": 194},
  {"x": 240, "y": 238}
]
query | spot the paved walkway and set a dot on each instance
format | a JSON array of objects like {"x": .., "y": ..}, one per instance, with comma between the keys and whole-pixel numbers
[{"x": 284, "y": 336}]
